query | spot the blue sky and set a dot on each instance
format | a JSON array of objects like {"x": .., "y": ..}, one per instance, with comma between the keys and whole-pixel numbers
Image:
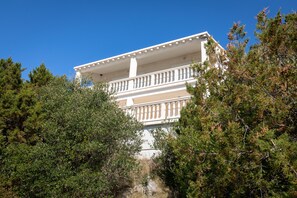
[{"x": 66, "y": 33}]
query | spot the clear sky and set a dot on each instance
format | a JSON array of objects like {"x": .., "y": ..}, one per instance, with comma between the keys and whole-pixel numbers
[{"x": 66, "y": 33}]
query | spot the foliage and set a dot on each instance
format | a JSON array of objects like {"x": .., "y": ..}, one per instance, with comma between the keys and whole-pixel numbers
[
  {"x": 237, "y": 136},
  {"x": 87, "y": 148},
  {"x": 61, "y": 139},
  {"x": 20, "y": 112},
  {"x": 10, "y": 85},
  {"x": 40, "y": 76}
]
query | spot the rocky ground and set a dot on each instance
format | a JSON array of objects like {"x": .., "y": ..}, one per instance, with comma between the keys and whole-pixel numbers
[{"x": 146, "y": 184}]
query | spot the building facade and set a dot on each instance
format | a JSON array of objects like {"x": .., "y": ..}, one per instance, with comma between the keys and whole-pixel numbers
[{"x": 150, "y": 83}]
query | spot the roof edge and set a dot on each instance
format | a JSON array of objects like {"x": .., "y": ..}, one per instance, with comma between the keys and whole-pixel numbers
[{"x": 143, "y": 50}]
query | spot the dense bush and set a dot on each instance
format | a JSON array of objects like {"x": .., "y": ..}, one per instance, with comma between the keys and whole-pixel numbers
[
  {"x": 237, "y": 136},
  {"x": 84, "y": 143}
]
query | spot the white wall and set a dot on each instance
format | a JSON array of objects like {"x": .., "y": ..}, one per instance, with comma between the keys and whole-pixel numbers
[
  {"x": 110, "y": 76},
  {"x": 168, "y": 63},
  {"x": 148, "y": 151}
]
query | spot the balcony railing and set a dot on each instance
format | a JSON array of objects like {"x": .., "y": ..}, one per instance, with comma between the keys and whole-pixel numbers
[
  {"x": 119, "y": 86},
  {"x": 152, "y": 79},
  {"x": 158, "y": 111}
]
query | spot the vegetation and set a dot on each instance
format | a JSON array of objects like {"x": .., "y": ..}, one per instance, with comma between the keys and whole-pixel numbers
[
  {"x": 20, "y": 113},
  {"x": 237, "y": 136},
  {"x": 61, "y": 139},
  {"x": 20, "y": 109}
]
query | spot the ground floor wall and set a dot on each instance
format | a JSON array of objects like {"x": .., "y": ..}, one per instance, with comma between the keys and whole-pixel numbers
[{"x": 148, "y": 150}]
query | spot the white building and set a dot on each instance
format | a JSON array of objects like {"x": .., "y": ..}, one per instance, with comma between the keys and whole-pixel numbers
[{"x": 150, "y": 82}]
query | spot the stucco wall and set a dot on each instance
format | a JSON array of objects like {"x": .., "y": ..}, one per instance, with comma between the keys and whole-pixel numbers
[
  {"x": 148, "y": 150},
  {"x": 168, "y": 63}
]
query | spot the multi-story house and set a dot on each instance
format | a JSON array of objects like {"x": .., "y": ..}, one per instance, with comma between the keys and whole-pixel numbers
[{"x": 150, "y": 83}]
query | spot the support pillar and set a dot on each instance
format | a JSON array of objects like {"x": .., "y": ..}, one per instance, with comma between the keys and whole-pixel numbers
[
  {"x": 132, "y": 72},
  {"x": 204, "y": 56}
]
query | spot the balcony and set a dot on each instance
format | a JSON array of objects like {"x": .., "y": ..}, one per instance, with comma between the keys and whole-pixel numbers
[
  {"x": 162, "y": 77},
  {"x": 158, "y": 112}
]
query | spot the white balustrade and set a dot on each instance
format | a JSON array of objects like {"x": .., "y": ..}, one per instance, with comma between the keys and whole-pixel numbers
[
  {"x": 153, "y": 79},
  {"x": 119, "y": 86},
  {"x": 185, "y": 73},
  {"x": 164, "y": 77},
  {"x": 168, "y": 109},
  {"x": 142, "y": 81}
]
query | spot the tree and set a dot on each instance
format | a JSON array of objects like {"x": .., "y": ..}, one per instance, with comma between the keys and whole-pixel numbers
[
  {"x": 237, "y": 136},
  {"x": 20, "y": 109},
  {"x": 40, "y": 76},
  {"x": 10, "y": 85},
  {"x": 10, "y": 75},
  {"x": 88, "y": 146}
]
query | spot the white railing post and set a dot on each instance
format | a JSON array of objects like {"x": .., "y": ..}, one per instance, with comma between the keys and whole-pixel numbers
[
  {"x": 179, "y": 106},
  {"x": 169, "y": 110},
  {"x": 163, "y": 110},
  {"x": 152, "y": 79},
  {"x": 139, "y": 114},
  {"x": 148, "y": 112},
  {"x": 176, "y": 75},
  {"x": 157, "y": 79},
  {"x": 145, "y": 112},
  {"x": 130, "y": 84},
  {"x": 154, "y": 111}
]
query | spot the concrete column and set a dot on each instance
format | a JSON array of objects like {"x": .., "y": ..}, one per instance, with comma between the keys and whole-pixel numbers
[
  {"x": 133, "y": 67},
  {"x": 130, "y": 102},
  {"x": 132, "y": 72},
  {"x": 204, "y": 56}
]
